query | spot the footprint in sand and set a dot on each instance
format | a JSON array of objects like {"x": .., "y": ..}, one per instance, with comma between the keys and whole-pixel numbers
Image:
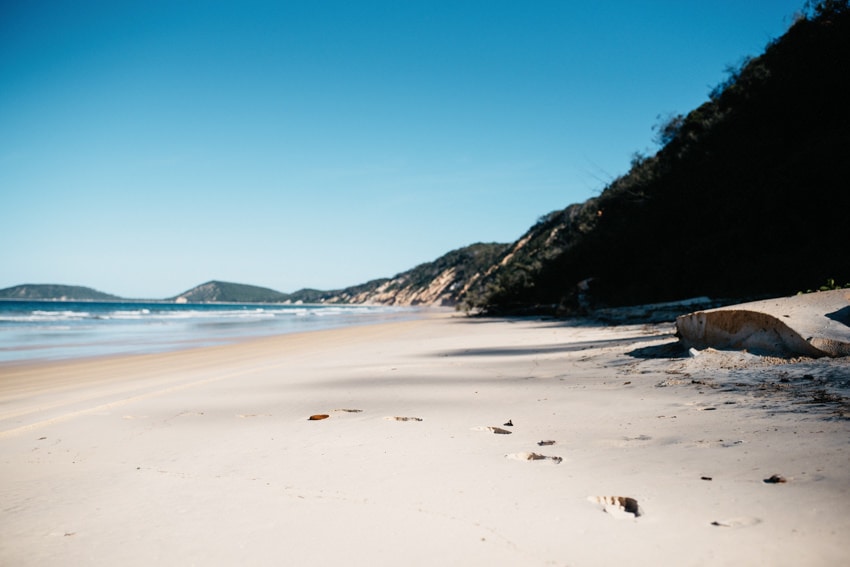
[
  {"x": 533, "y": 457},
  {"x": 618, "y": 506},
  {"x": 397, "y": 418},
  {"x": 492, "y": 429},
  {"x": 739, "y": 522}
]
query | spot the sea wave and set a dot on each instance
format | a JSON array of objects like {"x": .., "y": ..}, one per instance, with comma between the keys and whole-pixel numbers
[
  {"x": 43, "y": 329},
  {"x": 42, "y": 316}
]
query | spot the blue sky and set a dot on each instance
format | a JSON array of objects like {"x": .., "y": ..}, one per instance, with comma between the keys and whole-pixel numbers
[{"x": 148, "y": 147}]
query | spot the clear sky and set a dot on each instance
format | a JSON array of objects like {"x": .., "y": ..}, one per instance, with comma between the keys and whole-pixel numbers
[{"x": 150, "y": 146}]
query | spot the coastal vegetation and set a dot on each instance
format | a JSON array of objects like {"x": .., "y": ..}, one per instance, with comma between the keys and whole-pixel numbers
[
  {"x": 747, "y": 197},
  {"x": 38, "y": 292},
  {"x": 226, "y": 292}
]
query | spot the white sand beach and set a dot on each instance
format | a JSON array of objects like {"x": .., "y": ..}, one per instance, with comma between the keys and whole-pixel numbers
[{"x": 207, "y": 456}]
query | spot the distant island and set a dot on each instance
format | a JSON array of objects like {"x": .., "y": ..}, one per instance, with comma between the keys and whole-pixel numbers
[
  {"x": 55, "y": 292},
  {"x": 746, "y": 198},
  {"x": 226, "y": 292}
]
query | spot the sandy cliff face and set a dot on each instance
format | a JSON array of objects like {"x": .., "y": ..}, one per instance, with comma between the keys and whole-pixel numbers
[
  {"x": 441, "y": 283},
  {"x": 399, "y": 291}
]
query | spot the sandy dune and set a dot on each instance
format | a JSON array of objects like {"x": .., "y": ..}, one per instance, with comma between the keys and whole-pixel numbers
[{"x": 443, "y": 441}]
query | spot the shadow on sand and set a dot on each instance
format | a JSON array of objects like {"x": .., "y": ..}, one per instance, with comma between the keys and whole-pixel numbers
[
  {"x": 548, "y": 349},
  {"x": 673, "y": 349}
]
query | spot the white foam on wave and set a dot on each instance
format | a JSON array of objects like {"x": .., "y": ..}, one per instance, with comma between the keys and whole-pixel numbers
[
  {"x": 171, "y": 313},
  {"x": 44, "y": 330},
  {"x": 44, "y": 316}
]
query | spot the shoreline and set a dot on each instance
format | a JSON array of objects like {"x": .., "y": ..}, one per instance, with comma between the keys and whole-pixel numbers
[
  {"x": 448, "y": 440},
  {"x": 73, "y": 330},
  {"x": 221, "y": 342},
  {"x": 139, "y": 371}
]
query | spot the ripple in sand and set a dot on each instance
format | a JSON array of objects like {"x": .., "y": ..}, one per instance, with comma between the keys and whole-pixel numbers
[
  {"x": 398, "y": 418},
  {"x": 618, "y": 506}
]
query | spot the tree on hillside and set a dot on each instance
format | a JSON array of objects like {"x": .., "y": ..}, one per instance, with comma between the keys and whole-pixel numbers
[{"x": 826, "y": 8}]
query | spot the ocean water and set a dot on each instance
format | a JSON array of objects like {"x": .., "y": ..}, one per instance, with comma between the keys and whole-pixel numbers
[{"x": 56, "y": 330}]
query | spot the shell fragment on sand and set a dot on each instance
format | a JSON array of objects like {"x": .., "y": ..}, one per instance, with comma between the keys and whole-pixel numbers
[
  {"x": 775, "y": 479},
  {"x": 321, "y": 416}
]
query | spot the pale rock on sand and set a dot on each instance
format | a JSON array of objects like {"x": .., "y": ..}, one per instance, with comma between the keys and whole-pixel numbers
[{"x": 813, "y": 324}]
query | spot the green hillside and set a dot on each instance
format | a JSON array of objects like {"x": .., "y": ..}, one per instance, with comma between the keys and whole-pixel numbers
[
  {"x": 55, "y": 292},
  {"x": 226, "y": 292}
]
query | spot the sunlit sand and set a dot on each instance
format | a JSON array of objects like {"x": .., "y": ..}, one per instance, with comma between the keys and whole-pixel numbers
[{"x": 442, "y": 441}]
